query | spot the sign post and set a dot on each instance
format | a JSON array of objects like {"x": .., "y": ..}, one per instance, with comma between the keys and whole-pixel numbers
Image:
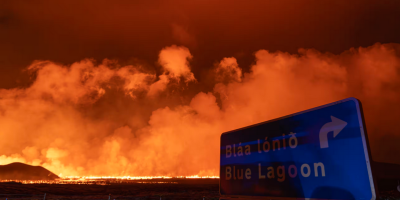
[{"x": 321, "y": 153}]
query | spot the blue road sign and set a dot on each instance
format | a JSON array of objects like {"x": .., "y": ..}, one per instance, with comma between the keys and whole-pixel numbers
[{"x": 321, "y": 153}]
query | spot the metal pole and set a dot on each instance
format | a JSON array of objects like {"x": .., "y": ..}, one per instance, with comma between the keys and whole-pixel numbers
[
  {"x": 44, "y": 198},
  {"x": 398, "y": 186}
]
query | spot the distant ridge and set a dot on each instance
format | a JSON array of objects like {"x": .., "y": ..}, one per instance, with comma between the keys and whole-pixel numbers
[{"x": 21, "y": 171}]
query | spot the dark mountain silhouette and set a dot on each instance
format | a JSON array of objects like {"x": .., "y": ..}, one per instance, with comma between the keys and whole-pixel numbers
[{"x": 21, "y": 171}]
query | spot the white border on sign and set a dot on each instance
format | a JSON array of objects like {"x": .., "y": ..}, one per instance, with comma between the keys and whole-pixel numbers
[{"x": 367, "y": 152}]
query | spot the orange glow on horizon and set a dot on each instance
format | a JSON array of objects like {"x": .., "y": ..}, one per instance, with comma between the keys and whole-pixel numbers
[
  {"x": 107, "y": 119},
  {"x": 100, "y": 179}
]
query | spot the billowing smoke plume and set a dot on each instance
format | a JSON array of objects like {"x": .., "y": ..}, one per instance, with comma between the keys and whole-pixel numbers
[{"x": 107, "y": 119}]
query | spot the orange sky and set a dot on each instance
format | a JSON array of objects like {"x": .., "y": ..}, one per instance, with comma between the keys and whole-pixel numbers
[{"x": 140, "y": 88}]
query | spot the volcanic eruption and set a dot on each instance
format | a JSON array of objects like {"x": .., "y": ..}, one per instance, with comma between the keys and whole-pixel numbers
[
  {"x": 146, "y": 89},
  {"x": 107, "y": 119}
]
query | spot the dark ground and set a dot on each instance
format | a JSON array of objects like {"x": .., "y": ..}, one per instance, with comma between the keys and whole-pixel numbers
[
  {"x": 186, "y": 189},
  {"x": 139, "y": 191}
]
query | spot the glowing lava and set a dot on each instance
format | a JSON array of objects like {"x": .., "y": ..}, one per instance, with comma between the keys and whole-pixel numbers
[{"x": 104, "y": 180}]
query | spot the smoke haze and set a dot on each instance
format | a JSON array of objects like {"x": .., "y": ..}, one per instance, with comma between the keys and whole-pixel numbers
[
  {"x": 129, "y": 31},
  {"x": 104, "y": 118},
  {"x": 147, "y": 87}
]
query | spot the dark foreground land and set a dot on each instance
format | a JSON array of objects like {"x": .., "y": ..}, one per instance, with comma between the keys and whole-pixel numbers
[
  {"x": 190, "y": 189},
  {"x": 140, "y": 191}
]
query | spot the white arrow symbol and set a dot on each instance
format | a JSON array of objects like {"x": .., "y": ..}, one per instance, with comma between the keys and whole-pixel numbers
[{"x": 336, "y": 126}]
